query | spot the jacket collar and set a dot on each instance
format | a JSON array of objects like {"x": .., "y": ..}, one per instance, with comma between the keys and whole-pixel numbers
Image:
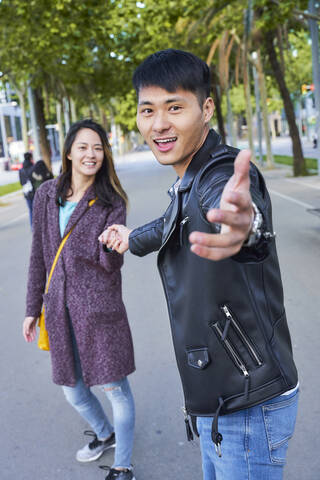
[
  {"x": 78, "y": 211},
  {"x": 199, "y": 159},
  {"x": 52, "y": 190}
]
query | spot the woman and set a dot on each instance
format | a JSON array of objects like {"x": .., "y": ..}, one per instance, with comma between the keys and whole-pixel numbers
[
  {"x": 25, "y": 177},
  {"x": 89, "y": 335}
]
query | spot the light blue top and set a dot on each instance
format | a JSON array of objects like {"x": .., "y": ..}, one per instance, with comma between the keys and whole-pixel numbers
[{"x": 65, "y": 213}]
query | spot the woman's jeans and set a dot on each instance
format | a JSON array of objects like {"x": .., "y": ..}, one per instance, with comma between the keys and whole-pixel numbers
[
  {"x": 88, "y": 406},
  {"x": 255, "y": 441},
  {"x": 30, "y": 204}
]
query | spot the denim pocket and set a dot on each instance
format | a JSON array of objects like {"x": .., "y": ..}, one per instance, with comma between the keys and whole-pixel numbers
[{"x": 279, "y": 420}]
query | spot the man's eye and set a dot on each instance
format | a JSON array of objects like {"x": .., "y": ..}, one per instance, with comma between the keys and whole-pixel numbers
[
  {"x": 146, "y": 111},
  {"x": 175, "y": 108}
]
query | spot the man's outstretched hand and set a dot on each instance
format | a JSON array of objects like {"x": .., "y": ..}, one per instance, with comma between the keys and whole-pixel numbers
[
  {"x": 116, "y": 237},
  {"x": 235, "y": 216}
]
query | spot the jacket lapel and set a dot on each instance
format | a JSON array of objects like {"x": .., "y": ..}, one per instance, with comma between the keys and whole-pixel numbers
[
  {"x": 170, "y": 222},
  {"x": 80, "y": 209},
  {"x": 196, "y": 163},
  {"x": 53, "y": 217}
]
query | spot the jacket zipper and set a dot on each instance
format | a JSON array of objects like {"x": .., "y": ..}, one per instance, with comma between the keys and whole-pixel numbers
[
  {"x": 182, "y": 224},
  {"x": 243, "y": 337},
  {"x": 237, "y": 360}
]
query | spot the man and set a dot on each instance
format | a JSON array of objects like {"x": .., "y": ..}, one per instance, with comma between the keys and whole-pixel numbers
[{"x": 228, "y": 322}]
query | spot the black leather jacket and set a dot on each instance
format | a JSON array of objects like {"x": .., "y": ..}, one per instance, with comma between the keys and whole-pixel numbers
[{"x": 228, "y": 321}]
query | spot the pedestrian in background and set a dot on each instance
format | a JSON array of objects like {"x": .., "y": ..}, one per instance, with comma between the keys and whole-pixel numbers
[
  {"x": 25, "y": 177},
  {"x": 89, "y": 334},
  {"x": 40, "y": 173},
  {"x": 228, "y": 321}
]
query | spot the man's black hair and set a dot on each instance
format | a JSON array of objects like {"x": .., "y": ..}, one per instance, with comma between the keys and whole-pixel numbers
[{"x": 172, "y": 69}]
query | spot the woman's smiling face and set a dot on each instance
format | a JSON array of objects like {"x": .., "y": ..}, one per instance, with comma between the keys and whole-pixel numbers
[{"x": 86, "y": 153}]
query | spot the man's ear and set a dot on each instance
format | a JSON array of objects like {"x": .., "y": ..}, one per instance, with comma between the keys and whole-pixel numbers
[{"x": 208, "y": 109}]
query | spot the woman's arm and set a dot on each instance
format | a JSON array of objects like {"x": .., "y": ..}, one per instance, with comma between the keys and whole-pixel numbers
[
  {"x": 37, "y": 269},
  {"x": 110, "y": 259}
]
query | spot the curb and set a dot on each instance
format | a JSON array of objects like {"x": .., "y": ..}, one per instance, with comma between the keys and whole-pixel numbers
[{"x": 10, "y": 195}]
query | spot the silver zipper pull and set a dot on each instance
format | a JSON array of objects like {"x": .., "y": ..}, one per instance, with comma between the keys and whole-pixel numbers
[
  {"x": 226, "y": 311},
  {"x": 187, "y": 424},
  {"x": 184, "y": 221}
]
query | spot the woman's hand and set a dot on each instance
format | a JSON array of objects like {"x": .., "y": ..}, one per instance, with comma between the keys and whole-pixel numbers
[
  {"x": 29, "y": 329},
  {"x": 116, "y": 237}
]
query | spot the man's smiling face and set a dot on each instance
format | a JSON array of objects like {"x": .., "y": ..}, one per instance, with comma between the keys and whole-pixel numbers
[{"x": 173, "y": 124}]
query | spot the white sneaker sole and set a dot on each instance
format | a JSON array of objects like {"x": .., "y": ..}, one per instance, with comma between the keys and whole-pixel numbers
[{"x": 96, "y": 457}]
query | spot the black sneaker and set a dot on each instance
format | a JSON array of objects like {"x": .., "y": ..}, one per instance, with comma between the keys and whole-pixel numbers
[
  {"x": 95, "y": 449},
  {"x": 118, "y": 474}
]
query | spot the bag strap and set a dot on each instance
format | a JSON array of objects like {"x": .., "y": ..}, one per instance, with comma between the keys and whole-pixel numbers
[{"x": 56, "y": 258}]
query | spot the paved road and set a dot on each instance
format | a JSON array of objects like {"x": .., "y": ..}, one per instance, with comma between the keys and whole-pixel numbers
[
  {"x": 280, "y": 146},
  {"x": 40, "y": 432}
]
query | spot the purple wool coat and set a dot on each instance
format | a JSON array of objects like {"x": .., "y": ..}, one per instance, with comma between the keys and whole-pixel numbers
[{"x": 86, "y": 279}]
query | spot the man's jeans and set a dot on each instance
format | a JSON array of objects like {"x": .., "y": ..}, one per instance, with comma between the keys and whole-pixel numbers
[
  {"x": 255, "y": 441},
  {"x": 90, "y": 409}
]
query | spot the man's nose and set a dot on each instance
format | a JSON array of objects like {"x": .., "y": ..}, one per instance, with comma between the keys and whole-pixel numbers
[{"x": 160, "y": 122}]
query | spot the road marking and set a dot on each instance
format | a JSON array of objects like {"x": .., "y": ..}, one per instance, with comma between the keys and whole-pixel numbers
[
  {"x": 303, "y": 183},
  {"x": 14, "y": 220},
  {"x": 290, "y": 199}
]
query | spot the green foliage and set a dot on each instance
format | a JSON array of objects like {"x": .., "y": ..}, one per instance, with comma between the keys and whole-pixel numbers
[
  {"x": 237, "y": 99},
  {"x": 88, "y": 50},
  {"x": 125, "y": 109}
]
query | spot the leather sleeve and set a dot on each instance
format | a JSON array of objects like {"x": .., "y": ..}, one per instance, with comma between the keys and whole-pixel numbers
[
  {"x": 210, "y": 190},
  {"x": 147, "y": 238}
]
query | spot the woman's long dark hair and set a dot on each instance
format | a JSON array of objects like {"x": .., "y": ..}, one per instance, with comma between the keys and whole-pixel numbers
[{"x": 106, "y": 180}]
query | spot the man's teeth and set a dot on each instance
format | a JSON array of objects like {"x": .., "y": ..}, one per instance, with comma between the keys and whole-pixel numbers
[{"x": 167, "y": 140}]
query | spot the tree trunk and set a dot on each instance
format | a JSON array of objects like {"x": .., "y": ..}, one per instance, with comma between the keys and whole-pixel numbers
[
  {"x": 232, "y": 136},
  {"x": 44, "y": 143},
  {"x": 60, "y": 127},
  {"x": 22, "y": 101},
  {"x": 264, "y": 109},
  {"x": 73, "y": 110},
  {"x": 217, "y": 103},
  {"x": 247, "y": 95},
  {"x": 299, "y": 165}
]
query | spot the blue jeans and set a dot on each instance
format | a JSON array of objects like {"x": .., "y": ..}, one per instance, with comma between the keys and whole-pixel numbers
[
  {"x": 255, "y": 441},
  {"x": 30, "y": 205},
  {"x": 88, "y": 406}
]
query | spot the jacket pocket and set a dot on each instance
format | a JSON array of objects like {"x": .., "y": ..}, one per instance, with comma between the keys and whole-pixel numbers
[
  {"x": 236, "y": 333},
  {"x": 198, "y": 358},
  {"x": 230, "y": 349}
]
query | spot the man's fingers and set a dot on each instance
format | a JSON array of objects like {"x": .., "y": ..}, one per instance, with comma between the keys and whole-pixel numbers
[
  {"x": 213, "y": 253},
  {"x": 239, "y": 220},
  {"x": 239, "y": 200},
  {"x": 212, "y": 240},
  {"x": 241, "y": 170}
]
